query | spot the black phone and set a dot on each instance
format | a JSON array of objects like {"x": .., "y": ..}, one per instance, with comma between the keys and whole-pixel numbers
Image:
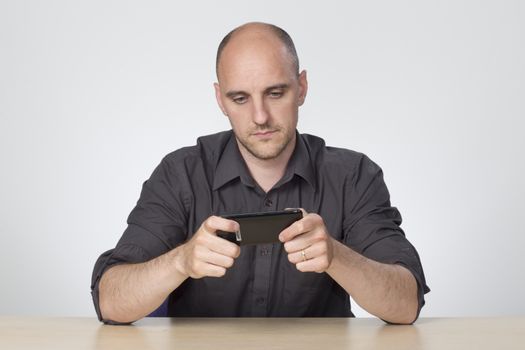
[{"x": 260, "y": 228}]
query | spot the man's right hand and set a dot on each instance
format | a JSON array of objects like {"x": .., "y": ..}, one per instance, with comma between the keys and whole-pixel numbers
[{"x": 205, "y": 254}]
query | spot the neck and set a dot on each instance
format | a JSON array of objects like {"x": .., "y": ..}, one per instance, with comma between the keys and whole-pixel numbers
[{"x": 267, "y": 172}]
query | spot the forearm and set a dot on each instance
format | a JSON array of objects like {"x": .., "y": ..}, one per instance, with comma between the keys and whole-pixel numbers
[
  {"x": 385, "y": 290},
  {"x": 131, "y": 291}
]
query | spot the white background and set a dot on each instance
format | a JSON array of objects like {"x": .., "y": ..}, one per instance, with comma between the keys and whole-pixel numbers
[{"x": 93, "y": 94}]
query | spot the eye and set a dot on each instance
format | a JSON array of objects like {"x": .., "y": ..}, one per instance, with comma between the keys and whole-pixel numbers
[
  {"x": 275, "y": 94},
  {"x": 239, "y": 99}
]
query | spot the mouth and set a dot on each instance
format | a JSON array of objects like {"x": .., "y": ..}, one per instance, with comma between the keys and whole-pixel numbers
[{"x": 264, "y": 133}]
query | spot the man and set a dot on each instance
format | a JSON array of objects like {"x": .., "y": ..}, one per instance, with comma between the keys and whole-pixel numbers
[{"x": 348, "y": 243}]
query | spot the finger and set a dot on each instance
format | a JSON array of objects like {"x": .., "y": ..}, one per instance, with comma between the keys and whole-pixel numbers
[
  {"x": 201, "y": 269},
  {"x": 310, "y": 253},
  {"x": 299, "y": 243},
  {"x": 308, "y": 223},
  {"x": 218, "y": 259},
  {"x": 312, "y": 265},
  {"x": 287, "y": 235},
  {"x": 317, "y": 234},
  {"x": 224, "y": 247},
  {"x": 317, "y": 264},
  {"x": 217, "y": 244},
  {"x": 297, "y": 228},
  {"x": 216, "y": 223},
  {"x": 212, "y": 270}
]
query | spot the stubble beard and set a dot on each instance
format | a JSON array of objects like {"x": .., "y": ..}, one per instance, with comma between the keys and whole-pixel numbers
[{"x": 260, "y": 152}]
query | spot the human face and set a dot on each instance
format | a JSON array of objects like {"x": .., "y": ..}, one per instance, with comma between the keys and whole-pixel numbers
[{"x": 260, "y": 93}]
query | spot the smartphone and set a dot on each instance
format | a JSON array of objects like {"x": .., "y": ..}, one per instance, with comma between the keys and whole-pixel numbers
[{"x": 260, "y": 228}]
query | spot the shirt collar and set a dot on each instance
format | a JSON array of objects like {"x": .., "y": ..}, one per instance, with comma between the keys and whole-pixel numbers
[
  {"x": 231, "y": 165},
  {"x": 300, "y": 163}
]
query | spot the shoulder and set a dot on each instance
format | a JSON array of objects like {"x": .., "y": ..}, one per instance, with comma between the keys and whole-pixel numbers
[
  {"x": 206, "y": 151},
  {"x": 331, "y": 159}
]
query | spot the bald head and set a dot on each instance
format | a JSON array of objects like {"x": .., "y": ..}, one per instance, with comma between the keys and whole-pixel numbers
[{"x": 251, "y": 33}]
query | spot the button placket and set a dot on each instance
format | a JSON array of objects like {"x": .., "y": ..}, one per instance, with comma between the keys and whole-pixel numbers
[
  {"x": 265, "y": 251},
  {"x": 263, "y": 262}
]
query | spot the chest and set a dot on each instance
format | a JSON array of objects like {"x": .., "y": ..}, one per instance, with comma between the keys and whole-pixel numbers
[{"x": 237, "y": 197}]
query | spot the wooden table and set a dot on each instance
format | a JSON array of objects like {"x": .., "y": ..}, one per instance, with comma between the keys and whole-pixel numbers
[{"x": 261, "y": 333}]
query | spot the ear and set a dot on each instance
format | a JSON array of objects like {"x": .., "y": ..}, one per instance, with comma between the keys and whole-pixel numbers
[
  {"x": 303, "y": 87},
  {"x": 218, "y": 96}
]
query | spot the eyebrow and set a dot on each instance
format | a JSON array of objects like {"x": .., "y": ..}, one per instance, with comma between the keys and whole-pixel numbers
[{"x": 282, "y": 86}]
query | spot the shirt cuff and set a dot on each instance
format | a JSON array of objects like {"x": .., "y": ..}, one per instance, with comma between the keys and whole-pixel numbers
[{"x": 125, "y": 254}]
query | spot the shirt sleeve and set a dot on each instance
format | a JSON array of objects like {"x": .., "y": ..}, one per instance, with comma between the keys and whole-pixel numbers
[
  {"x": 155, "y": 226},
  {"x": 372, "y": 225}
]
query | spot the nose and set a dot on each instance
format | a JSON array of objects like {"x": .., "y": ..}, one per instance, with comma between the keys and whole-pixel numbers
[{"x": 260, "y": 113}]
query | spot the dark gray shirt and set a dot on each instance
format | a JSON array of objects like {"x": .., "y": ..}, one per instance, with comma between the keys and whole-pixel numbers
[{"x": 345, "y": 187}]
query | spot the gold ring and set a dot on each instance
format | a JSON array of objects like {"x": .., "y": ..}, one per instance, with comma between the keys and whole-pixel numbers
[{"x": 304, "y": 255}]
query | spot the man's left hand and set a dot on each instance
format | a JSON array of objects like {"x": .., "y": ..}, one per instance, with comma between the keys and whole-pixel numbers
[{"x": 308, "y": 244}]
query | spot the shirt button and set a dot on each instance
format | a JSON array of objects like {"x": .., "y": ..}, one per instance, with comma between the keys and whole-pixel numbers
[
  {"x": 268, "y": 202},
  {"x": 265, "y": 252},
  {"x": 259, "y": 300}
]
